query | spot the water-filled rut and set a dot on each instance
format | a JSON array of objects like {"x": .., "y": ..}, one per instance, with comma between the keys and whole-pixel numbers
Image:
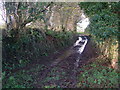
[{"x": 69, "y": 62}]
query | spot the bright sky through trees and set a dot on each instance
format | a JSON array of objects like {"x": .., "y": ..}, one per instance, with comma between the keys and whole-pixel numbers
[{"x": 1, "y": 14}]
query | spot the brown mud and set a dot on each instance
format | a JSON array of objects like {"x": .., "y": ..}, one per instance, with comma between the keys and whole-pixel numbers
[
  {"x": 64, "y": 74},
  {"x": 66, "y": 66}
]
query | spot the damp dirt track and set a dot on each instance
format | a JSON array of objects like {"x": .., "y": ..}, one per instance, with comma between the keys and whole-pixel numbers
[
  {"x": 67, "y": 65},
  {"x": 65, "y": 71}
]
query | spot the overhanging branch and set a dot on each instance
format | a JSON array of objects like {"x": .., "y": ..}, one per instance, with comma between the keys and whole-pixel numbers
[{"x": 36, "y": 16}]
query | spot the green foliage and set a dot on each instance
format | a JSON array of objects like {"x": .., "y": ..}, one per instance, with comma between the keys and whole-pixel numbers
[
  {"x": 53, "y": 86},
  {"x": 30, "y": 47},
  {"x": 104, "y": 25},
  {"x": 12, "y": 83},
  {"x": 22, "y": 78},
  {"x": 93, "y": 7},
  {"x": 21, "y": 63},
  {"x": 19, "y": 80},
  {"x": 102, "y": 78},
  {"x": 95, "y": 75},
  {"x": 62, "y": 39},
  {"x": 104, "y": 20}
]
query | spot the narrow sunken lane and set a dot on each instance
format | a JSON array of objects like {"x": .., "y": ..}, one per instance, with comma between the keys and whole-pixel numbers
[{"x": 66, "y": 69}]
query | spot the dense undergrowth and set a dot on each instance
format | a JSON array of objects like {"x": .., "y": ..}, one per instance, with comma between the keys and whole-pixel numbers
[
  {"x": 104, "y": 27},
  {"x": 31, "y": 47},
  {"x": 33, "y": 43},
  {"x": 95, "y": 74},
  {"x": 98, "y": 74}
]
